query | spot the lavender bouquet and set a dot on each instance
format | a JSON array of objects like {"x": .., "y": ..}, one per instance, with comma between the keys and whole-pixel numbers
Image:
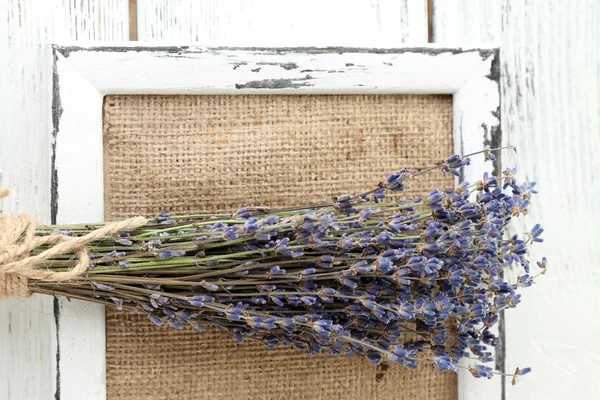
[{"x": 411, "y": 281}]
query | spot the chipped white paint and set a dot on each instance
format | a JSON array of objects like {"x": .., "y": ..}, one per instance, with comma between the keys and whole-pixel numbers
[
  {"x": 28, "y": 339},
  {"x": 82, "y": 325},
  {"x": 127, "y": 69},
  {"x": 551, "y": 112},
  {"x": 276, "y": 23},
  {"x": 470, "y": 135}
]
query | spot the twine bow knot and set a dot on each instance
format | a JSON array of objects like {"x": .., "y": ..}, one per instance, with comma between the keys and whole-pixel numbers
[{"x": 17, "y": 239}]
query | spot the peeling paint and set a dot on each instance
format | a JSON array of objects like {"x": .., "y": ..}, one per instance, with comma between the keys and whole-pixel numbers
[
  {"x": 56, "y": 307},
  {"x": 180, "y": 50},
  {"x": 57, "y": 111},
  {"x": 274, "y": 84},
  {"x": 287, "y": 66},
  {"x": 238, "y": 64},
  {"x": 66, "y": 51},
  {"x": 494, "y": 74}
]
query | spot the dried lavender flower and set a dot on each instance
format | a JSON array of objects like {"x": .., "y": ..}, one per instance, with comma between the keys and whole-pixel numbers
[{"x": 416, "y": 281}]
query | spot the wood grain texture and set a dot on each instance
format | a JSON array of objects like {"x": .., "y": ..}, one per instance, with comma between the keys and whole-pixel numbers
[
  {"x": 28, "y": 336},
  {"x": 551, "y": 112},
  {"x": 361, "y": 23}
]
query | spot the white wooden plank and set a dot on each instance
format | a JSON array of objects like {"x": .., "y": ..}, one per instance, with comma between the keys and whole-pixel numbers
[
  {"x": 188, "y": 70},
  {"x": 360, "y": 23},
  {"x": 80, "y": 115},
  {"x": 28, "y": 348},
  {"x": 475, "y": 125},
  {"x": 466, "y": 21},
  {"x": 551, "y": 112},
  {"x": 28, "y": 338}
]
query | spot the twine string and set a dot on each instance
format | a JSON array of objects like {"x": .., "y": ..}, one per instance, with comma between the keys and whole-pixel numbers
[{"x": 17, "y": 239}]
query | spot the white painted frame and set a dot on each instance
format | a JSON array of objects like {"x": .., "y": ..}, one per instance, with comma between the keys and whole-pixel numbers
[{"x": 83, "y": 75}]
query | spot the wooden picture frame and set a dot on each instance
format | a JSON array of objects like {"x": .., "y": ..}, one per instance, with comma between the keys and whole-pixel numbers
[{"x": 83, "y": 75}]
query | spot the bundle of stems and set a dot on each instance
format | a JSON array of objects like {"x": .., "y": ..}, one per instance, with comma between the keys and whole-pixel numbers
[{"x": 413, "y": 281}]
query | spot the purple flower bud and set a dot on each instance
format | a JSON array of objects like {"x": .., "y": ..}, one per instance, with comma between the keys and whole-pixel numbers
[
  {"x": 115, "y": 253},
  {"x": 435, "y": 196},
  {"x": 270, "y": 220},
  {"x": 231, "y": 233},
  {"x": 145, "y": 306},
  {"x": 103, "y": 286},
  {"x": 445, "y": 363},
  {"x": 243, "y": 213},
  {"x": 366, "y": 213},
  {"x": 277, "y": 301},
  {"x": 395, "y": 181},
  {"x": 118, "y": 302},
  {"x": 169, "y": 312},
  {"x": 209, "y": 286},
  {"x": 524, "y": 371},
  {"x": 345, "y": 244},
  {"x": 174, "y": 323},
  {"x": 374, "y": 358},
  {"x": 369, "y": 304},
  {"x": 197, "y": 326},
  {"x": 259, "y": 300},
  {"x": 348, "y": 282},
  {"x": 277, "y": 271},
  {"x": 156, "y": 320},
  {"x": 263, "y": 237},
  {"x": 308, "y": 300},
  {"x": 171, "y": 253},
  {"x": 481, "y": 371}
]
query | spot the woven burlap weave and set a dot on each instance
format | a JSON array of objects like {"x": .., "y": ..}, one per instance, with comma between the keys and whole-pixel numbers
[{"x": 213, "y": 153}]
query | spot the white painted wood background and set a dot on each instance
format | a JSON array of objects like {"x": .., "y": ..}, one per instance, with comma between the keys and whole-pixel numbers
[
  {"x": 550, "y": 61},
  {"x": 551, "y": 112}
]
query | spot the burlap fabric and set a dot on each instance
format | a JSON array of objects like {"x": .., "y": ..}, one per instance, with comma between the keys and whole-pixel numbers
[{"x": 213, "y": 153}]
